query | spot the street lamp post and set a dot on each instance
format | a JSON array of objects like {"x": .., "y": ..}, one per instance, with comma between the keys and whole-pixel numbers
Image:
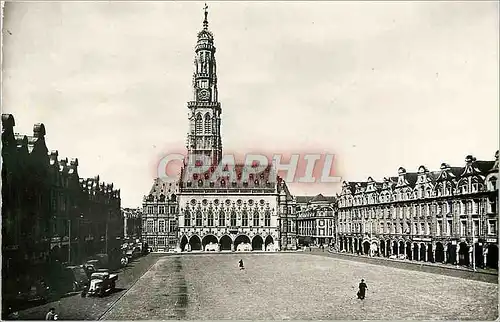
[{"x": 69, "y": 237}]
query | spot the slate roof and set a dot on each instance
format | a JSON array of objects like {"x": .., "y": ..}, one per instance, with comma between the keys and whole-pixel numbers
[
  {"x": 160, "y": 187},
  {"x": 303, "y": 199}
]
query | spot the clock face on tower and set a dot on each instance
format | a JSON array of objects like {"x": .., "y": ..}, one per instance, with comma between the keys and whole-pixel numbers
[{"x": 203, "y": 94}]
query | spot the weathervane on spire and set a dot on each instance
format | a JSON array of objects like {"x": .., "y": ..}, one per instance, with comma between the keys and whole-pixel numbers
[{"x": 205, "y": 22}]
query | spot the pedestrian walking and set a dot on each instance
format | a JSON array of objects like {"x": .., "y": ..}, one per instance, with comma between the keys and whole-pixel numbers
[
  {"x": 362, "y": 290},
  {"x": 51, "y": 315},
  {"x": 241, "y": 264}
]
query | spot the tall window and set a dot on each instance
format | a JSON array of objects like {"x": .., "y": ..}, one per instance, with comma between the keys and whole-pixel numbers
[
  {"x": 463, "y": 228},
  {"x": 161, "y": 209},
  {"x": 381, "y": 228},
  {"x": 475, "y": 227},
  {"x": 233, "y": 218},
  {"x": 492, "y": 227},
  {"x": 150, "y": 226},
  {"x": 256, "y": 218},
  {"x": 415, "y": 229},
  {"x": 210, "y": 219},
  {"x": 150, "y": 209},
  {"x": 172, "y": 226},
  {"x": 208, "y": 124},
  {"x": 222, "y": 219},
  {"x": 161, "y": 226},
  {"x": 422, "y": 228},
  {"x": 187, "y": 219},
  {"x": 199, "y": 220},
  {"x": 244, "y": 219},
  {"x": 493, "y": 206},
  {"x": 439, "y": 228},
  {"x": 199, "y": 124},
  {"x": 267, "y": 219},
  {"x": 449, "y": 227}
]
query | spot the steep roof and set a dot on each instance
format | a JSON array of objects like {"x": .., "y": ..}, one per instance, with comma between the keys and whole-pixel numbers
[
  {"x": 303, "y": 199},
  {"x": 484, "y": 166},
  {"x": 160, "y": 187}
]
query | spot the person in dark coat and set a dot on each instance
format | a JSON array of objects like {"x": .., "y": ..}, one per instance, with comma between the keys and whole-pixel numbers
[
  {"x": 362, "y": 290},
  {"x": 241, "y": 264}
]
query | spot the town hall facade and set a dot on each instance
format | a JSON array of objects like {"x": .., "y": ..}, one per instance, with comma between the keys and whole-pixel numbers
[{"x": 252, "y": 212}]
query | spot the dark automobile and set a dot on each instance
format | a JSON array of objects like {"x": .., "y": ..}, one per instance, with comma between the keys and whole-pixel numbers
[{"x": 79, "y": 277}]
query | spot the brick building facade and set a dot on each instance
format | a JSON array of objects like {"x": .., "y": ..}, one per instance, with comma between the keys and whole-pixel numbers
[{"x": 49, "y": 213}]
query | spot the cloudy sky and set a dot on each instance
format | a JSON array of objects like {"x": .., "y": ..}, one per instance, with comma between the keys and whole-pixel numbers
[{"x": 381, "y": 85}]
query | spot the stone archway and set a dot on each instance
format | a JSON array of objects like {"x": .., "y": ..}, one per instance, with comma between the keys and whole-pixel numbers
[
  {"x": 395, "y": 248},
  {"x": 366, "y": 248},
  {"x": 257, "y": 242},
  {"x": 478, "y": 255},
  {"x": 415, "y": 252},
  {"x": 463, "y": 254},
  {"x": 209, "y": 239},
  {"x": 241, "y": 239},
  {"x": 268, "y": 241},
  {"x": 451, "y": 254},
  {"x": 374, "y": 249},
  {"x": 401, "y": 250},
  {"x": 349, "y": 249},
  {"x": 225, "y": 242},
  {"x": 409, "y": 254},
  {"x": 423, "y": 252},
  {"x": 382, "y": 248},
  {"x": 184, "y": 242},
  {"x": 439, "y": 253},
  {"x": 430, "y": 255},
  {"x": 492, "y": 256},
  {"x": 195, "y": 242}
]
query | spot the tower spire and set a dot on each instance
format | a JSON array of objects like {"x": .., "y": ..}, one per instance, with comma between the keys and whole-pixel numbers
[{"x": 205, "y": 22}]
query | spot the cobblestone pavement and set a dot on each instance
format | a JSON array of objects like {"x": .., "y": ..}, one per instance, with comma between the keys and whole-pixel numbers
[
  {"x": 298, "y": 286},
  {"x": 75, "y": 307}
]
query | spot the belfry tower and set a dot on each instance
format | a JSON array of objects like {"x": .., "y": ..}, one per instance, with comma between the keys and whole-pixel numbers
[{"x": 204, "y": 137}]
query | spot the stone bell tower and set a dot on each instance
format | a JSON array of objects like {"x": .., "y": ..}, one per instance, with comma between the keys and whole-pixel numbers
[{"x": 204, "y": 137}]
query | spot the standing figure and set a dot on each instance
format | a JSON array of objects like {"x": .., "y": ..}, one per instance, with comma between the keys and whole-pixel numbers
[
  {"x": 362, "y": 289},
  {"x": 241, "y": 264},
  {"x": 51, "y": 315}
]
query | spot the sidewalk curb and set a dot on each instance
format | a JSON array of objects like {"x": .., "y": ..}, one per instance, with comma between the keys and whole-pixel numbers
[{"x": 488, "y": 277}]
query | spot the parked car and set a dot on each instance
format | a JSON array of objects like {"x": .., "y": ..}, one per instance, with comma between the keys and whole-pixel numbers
[
  {"x": 101, "y": 283},
  {"x": 79, "y": 276}
]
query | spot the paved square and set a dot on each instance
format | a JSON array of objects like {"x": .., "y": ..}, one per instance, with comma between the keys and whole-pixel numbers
[{"x": 298, "y": 286}]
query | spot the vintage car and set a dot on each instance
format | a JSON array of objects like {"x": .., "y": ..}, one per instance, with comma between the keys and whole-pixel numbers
[{"x": 101, "y": 282}]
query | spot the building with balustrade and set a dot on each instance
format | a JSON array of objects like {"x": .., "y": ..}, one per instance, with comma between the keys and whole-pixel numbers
[
  {"x": 316, "y": 220},
  {"x": 444, "y": 216}
]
